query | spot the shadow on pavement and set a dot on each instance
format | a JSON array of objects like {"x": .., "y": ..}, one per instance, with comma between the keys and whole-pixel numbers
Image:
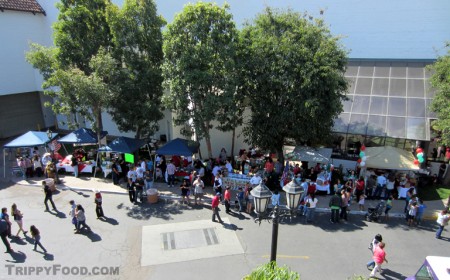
[
  {"x": 392, "y": 275},
  {"x": 94, "y": 237},
  {"x": 58, "y": 214},
  {"x": 108, "y": 220},
  {"x": 49, "y": 257},
  {"x": 18, "y": 257},
  {"x": 231, "y": 227},
  {"x": 18, "y": 241},
  {"x": 162, "y": 209}
]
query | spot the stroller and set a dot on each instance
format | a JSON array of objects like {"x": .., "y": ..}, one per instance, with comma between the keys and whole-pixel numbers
[{"x": 374, "y": 214}]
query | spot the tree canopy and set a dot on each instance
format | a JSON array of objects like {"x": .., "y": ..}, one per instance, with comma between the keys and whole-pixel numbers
[
  {"x": 199, "y": 51},
  {"x": 440, "y": 81},
  {"x": 294, "y": 78},
  {"x": 137, "y": 39}
]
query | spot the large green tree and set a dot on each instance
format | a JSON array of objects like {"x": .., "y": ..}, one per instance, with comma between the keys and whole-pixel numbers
[
  {"x": 440, "y": 81},
  {"x": 199, "y": 51},
  {"x": 294, "y": 79},
  {"x": 137, "y": 37},
  {"x": 78, "y": 60}
]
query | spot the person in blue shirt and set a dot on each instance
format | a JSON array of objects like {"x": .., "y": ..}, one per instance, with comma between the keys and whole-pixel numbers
[{"x": 420, "y": 211}]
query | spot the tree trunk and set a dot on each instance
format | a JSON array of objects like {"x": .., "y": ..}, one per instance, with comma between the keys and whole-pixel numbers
[
  {"x": 138, "y": 132},
  {"x": 233, "y": 136},
  {"x": 280, "y": 155},
  {"x": 208, "y": 140},
  {"x": 99, "y": 121}
]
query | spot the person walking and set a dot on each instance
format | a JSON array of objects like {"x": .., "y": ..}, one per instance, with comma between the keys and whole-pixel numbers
[
  {"x": 48, "y": 197},
  {"x": 98, "y": 205},
  {"x": 4, "y": 235},
  {"x": 215, "y": 208},
  {"x": 373, "y": 245},
  {"x": 335, "y": 204},
  {"x": 379, "y": 256},
  {"x": 227, "y": 198},
  {"x": 420, "y": 210},
  {"x": 170, "y": 174},
  {"x": 4, "y": 216},
  {"x": 81, "y": 218},
  {"x": 18, "y": 216},
  {"x": 72, "y": 213},
  {"x": 37, "y": 238},
  {"x": 442, "y": 221},
  {"x": 249, "y": 197}
]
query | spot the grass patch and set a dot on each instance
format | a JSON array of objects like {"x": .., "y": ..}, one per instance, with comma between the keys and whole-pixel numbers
[{"x": 437, "y": 192}]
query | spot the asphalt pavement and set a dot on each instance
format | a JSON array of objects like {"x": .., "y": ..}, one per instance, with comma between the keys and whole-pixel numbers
[{"x": 168, "y": 240}]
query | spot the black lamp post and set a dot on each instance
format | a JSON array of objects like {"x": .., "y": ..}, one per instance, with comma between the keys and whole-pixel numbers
[{"x": 262, "y": 195}]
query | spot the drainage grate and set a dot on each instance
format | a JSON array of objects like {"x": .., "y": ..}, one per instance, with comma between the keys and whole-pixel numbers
[{"x": 189, "y": 239}]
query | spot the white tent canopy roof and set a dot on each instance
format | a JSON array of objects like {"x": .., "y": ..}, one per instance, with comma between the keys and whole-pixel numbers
[{"x": 388, "y": 157}]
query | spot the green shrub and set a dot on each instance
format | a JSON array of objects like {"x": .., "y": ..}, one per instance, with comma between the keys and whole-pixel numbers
[{"x": 270, "y": 271}]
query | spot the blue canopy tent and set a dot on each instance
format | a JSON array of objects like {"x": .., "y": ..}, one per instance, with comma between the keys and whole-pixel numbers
[
  {"x": 29, "y": 139},
  {"x": 123, "y": 145},
  {"x": 180, "y": 147},
  {"x": 82, "y": 136}
]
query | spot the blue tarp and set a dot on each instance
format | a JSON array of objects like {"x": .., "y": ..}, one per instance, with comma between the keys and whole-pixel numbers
[
  {"x": 179, "y": 147},
  {"x": 82, "y": 136},
  {"x": 123, "y": 145},
  {"x": 30, "y": 139}
]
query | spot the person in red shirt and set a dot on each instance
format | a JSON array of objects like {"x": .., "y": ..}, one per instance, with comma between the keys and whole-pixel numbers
[
  {"x": 227, "y": 198},
  {"x": 215, "y": 208},
  {"x": 379, "y": 256},
  {"x": 269, "y": 166},
  {"x": 297, "y": 169},
  {"x": 359, "y": 188}
]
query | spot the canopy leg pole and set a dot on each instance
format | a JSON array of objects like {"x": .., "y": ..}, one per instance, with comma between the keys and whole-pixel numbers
[
  {"x": 4, "y": 164},
  {"x": 96, "y": 162}
]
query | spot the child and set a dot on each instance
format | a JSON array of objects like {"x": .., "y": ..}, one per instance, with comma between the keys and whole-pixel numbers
[
  {"x": 37, "y": 237},
  {"x": 98, "y": 205},
  {"x": 361, "y": 202},
  {"x": 420, "y": 210},
  {"x": 412, "y": 213},
  {"x": 240, "y": 199},
  {"x": 388, "y": 207},
  {"x": 184, "y": 192}
]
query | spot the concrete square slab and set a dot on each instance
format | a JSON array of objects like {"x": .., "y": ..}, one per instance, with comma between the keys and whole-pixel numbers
[{"x": 179, "y": 242}]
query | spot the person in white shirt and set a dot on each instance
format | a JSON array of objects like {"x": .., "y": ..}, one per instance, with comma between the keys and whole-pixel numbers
[
  {"x": 255, "y": 180},
  {"x": 171, "y": 174},
  {"x": 143, "y": 165},
  {"x": 311, "y": 203},
  {"x": 381, "y": 183},
  {"x": 140, "y": 172},
  {"x": 215, "y": 170},
  {"x": 132, "y": 176},
  {"x": 229, "y": 166}
]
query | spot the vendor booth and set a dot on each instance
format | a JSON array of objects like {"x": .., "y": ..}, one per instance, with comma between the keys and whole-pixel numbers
[
  {"x": 120, "y": 145},
  {"x": 391, "y": 158},
  {"x": 27, "y": 140},
  {"x": 79, "y": 137},
  {"x": 179, "y": 147}
]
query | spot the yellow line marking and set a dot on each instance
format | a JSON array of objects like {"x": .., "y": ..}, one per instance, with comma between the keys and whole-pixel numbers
[{"x": 287, "y": 257}]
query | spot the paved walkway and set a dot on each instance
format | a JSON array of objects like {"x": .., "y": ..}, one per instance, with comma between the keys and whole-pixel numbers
[{"x": 85, "y": 183}]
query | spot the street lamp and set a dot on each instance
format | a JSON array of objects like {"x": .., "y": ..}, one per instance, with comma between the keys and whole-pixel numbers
[{"x": 262, "y": 195}]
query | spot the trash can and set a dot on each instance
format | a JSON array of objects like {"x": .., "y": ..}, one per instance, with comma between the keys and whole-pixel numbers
[{"x": 152, "y": 196}]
